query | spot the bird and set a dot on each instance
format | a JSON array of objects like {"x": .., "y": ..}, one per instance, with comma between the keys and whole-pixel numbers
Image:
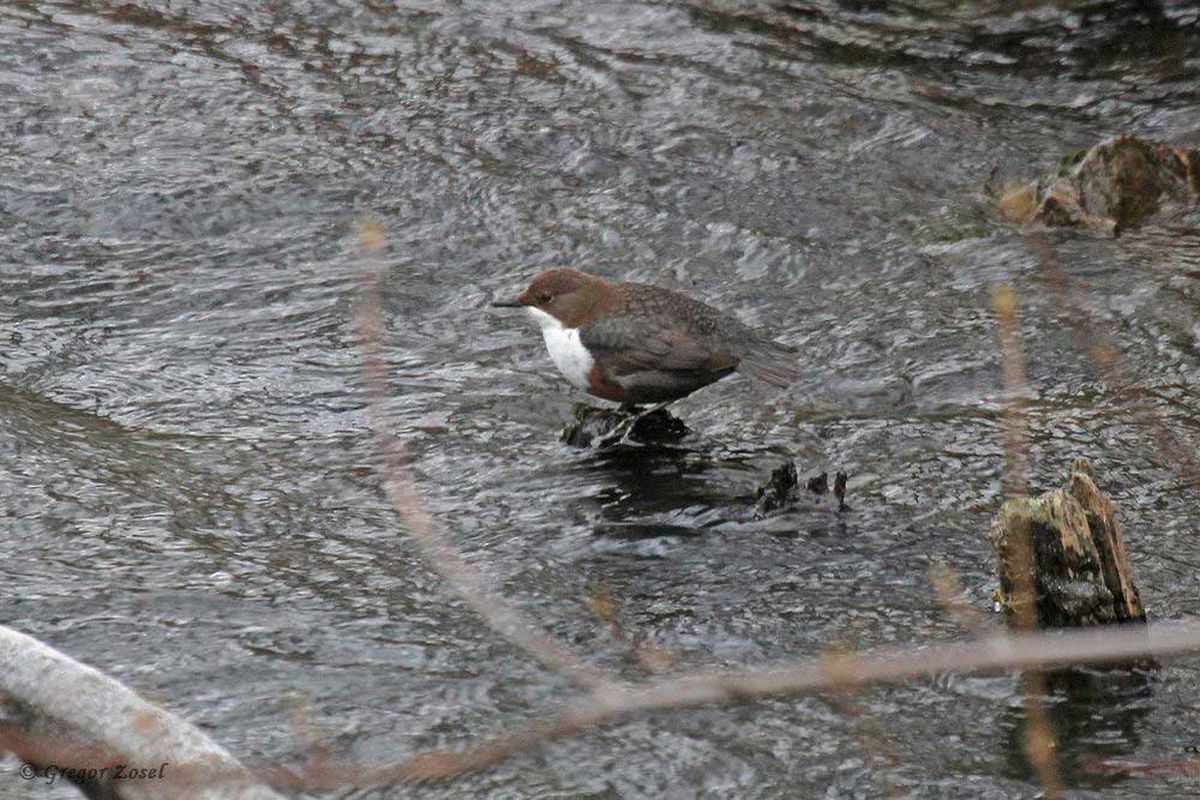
[{"x": 636, "y": 343}]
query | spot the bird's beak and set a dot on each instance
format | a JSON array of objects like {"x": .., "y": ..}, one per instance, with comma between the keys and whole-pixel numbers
[{"x": 506, "y": 303}]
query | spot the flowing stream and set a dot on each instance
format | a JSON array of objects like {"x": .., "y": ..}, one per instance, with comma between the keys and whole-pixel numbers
[{"x": 190, "y": 499}]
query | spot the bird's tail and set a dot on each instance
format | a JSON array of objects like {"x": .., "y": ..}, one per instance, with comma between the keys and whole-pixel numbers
[{"x": 771, "y": 362}]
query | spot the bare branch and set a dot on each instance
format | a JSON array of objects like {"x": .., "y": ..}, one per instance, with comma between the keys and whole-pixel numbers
[
  {"x": 1037, "y": 734},
  {"x": 995, "y": 653},
  {"x": 1106, "y": 355},
  {"x": 500, "y": 615},
  {"x": 949, "y": 592},
  {"x": 1016, "y": 434}
]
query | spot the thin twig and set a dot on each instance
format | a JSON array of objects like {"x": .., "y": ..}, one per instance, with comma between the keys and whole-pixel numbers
[
  {"x": 995, "y": 653},
  {"x": 1016, "y": 435},
  {"x": 1105, "y": 354},
  {"x": 866, "y": 730},
  {"x": 840, "y": 673},
  {"x": 501, "y": 616},
  {"x": 1038, "y": 734},
  {"x": 949, "y": 591}
]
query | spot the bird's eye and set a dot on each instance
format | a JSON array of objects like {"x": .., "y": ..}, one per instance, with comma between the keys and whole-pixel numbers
[{"x": 544, "y": 297}]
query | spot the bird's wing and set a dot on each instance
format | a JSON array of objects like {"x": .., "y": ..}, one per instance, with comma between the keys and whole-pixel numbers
[{"x": 669, "y": 347}]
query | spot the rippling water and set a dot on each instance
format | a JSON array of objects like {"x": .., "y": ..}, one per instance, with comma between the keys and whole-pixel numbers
[{"x": 189, "y": 497}]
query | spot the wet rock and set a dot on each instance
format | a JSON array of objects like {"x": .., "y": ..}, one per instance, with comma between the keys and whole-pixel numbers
[
  {"x": 1080, "y": 572},
  {"x": 783, "y": 488},
  {"x": 779, "y": 490},
  {"x": 591, "y": 426},
  {"x": 1116, "y": 184}
]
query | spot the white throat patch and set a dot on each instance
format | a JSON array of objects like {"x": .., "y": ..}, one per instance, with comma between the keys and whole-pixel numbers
[{"x": 567, "y": 352}]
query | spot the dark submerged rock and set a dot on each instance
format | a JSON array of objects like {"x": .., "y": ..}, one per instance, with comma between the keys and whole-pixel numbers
[
  {"x": 839, "y": 490},
  {"x": 592, "y": 424},
  {"x": 783, "y": 488},
  {"x": 779, "y": 490}
]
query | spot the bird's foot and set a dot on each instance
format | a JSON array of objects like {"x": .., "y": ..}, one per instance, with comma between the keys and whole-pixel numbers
[
  {"x": 602, "y": 427},
  {"x": 622, "y": 434},
  {"x": 619, "y": 434}
]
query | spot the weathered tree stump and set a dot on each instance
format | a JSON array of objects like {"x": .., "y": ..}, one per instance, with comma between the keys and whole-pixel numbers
[{"x": 1080, "y": 572}]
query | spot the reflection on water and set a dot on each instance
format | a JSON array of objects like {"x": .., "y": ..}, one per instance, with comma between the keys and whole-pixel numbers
[
  {"x": 189, "y": 486},
  {"x": 1095, "y": 715}
]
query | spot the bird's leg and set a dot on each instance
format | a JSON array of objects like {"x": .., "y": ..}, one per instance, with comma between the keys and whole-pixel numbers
[{"x": 652, "y": 409}]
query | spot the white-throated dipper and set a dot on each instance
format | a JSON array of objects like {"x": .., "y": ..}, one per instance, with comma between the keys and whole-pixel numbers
[{"x": 634, "y": 343}]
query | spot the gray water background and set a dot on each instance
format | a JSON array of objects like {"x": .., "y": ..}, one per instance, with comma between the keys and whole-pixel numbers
[{"x": 189, "y": 495}]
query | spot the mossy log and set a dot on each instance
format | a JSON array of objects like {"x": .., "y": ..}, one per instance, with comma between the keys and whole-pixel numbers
[{"x": 1080, "y": 572}]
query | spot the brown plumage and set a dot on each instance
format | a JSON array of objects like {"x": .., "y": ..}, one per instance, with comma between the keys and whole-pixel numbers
[{"x": 648, "y": 344}]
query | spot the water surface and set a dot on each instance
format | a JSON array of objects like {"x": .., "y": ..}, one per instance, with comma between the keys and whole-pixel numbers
[{"x": 190, "y": 501}]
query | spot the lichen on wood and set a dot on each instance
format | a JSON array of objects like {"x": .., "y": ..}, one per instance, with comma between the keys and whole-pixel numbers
[{"x": 1081, "y": 574}]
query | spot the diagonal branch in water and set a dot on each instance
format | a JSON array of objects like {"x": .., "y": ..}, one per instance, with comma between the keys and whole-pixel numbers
[
  {"x": 437, "y": 551},
  {"x": 1002, "y": 652}
]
